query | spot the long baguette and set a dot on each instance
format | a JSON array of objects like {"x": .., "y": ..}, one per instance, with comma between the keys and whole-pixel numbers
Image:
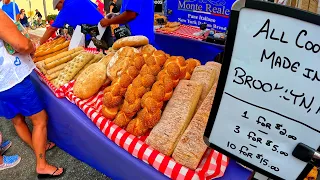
[
  {"x": 53, "y": 75},
  {"x": 51, "y": 44},
  {"x": 40, "y": 66},
  {"x": 175, "y": 117},
  {"x": 73, "y": 68},
  {"x": 191, "y": 146},
  {"x": 55, "y": 69},
  {"x": 37, "y": 59},
  {"x": 52, "y": 50},
  {"x": 206, "y": 75},
  {"x": 95, "y": 59},
  {"x": 61, "y": 55},
  {"x": 61, "y": 61}
]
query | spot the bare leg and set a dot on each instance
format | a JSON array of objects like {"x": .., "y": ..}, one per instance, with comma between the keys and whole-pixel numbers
[
  {"x": 22, "y": 129},
  {"x": 39, "y": 139}
]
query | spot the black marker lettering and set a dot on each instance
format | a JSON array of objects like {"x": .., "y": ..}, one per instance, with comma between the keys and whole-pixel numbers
[
  {"x": 239, "y": 76},
  {"x": 278, "y": 61},
  {"x": 295, "y": 66},
  {"x": 308, "y": 44},
  {"x": 316, "y": 77},
  {"x": 297, "y": 43},
  {"x": 308, "y": 75},
  {"x": 305, "y": 105},
  {"x": 281, "y": 39},
  {"x": 262, "y": 30},
  {"x": 264, "y": 56},
  {"x": 314, "y": 48},
  {"x": 248, "y": 80},
  {"x": 295, "y": 96},
  {"x": 271, "y": 36}
]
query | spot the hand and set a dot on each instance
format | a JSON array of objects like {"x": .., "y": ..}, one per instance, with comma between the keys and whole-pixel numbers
[
  {"x": 104, "y": 23},
  {"x": 111, "y": 15},
  {"x": 34, "y": 48}
]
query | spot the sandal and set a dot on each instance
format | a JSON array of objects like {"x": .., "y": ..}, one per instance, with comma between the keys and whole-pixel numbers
[
  {"x": 50, "y": 147},
  {"x": 9, "y": 162},
  {"x": 5, "y": 146},
  {"x": 49, "y": 176}
]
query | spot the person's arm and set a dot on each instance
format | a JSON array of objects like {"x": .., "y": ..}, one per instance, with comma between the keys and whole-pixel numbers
[
  {"x": 10, "y": 34},
  {"x": 58, "y": 23},
  {"x": 17, "y": 11},
  {"x": 111, "y": 8},
  {"x": 49, "y": 32},
  {"x": 123, "y": 18}
]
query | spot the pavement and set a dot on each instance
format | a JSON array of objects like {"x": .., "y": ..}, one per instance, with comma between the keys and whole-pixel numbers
[
  {"x": 25, "y": 170},
  {"x": 37, "y": 32}
]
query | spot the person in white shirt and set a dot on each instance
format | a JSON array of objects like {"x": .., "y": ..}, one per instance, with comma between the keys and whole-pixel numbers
[{"x": 18, "y": 97}]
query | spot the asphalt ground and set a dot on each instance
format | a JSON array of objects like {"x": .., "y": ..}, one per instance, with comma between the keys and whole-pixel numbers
[{"x": 25, "y": 170}]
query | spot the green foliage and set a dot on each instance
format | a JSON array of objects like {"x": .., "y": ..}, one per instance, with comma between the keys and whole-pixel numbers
[{"x": 51, "y": 17}]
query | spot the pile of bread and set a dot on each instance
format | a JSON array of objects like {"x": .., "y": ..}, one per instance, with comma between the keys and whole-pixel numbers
[
  {"x": 168, "y": 26},
  {"x": 51, "y": 49},
  {"x": 179, "y": 133},
  {"x": 167, "y": 94},
  {"x": 149, "y": 90}
]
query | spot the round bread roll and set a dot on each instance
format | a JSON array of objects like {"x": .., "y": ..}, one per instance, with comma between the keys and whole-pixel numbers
[
  {"x": 90, "y": 81},
  {"x": 131, "y": 41},
  {"x": 120, "y": 62}
]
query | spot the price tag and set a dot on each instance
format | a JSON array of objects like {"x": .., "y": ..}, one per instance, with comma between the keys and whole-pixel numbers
[
  {"x": 122, "y": 31},
  {"x": 268, "y": 98}
]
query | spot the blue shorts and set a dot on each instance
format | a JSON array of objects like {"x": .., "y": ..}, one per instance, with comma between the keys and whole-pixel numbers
[{"x": 20, "y": 99}]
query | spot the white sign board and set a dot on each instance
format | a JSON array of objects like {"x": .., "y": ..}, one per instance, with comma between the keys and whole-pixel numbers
[{"x": 271, "y": 98}]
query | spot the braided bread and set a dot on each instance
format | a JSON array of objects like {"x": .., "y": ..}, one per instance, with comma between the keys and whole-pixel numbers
[
  {"x": 113, "y": 95},
  {"x": 191, "y": 65},
  {"x": 152, "y": 102},
  {"x": 120, "y": 62},
  {"x": 140, "y": 85}
]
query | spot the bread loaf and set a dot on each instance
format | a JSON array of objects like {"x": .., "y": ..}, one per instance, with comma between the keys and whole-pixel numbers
[
  {"x": 58, "y": 68},
  {"x": 173, "y": 24},
  {"x": 106, "y": 59},
  {"x": 113, "y": 95},
  {"x": 120, "y": 62},
  {"x": 53, "y": 75},
  {"x": 90, "y": 81},
  {"x": 191, "y": 65},
  {"x": 206, "y": 76},
  {"x": 37, "y": 59},
  {"x": 51, "y": 44},
  {"x": 191, "y": 146},
  {"x": 152, "y": 102},
  {"x": 175, "y": 117},
  {"x": 62, "y": 60},
  {"x": 140, "y": 85},
  {"x": 52, "y": 49},
  {"x": 40, "y": 66},
  {"x": 96, "y": 58},
  {"x": 170, "y": 29},
  {"x": 147, "y": 49},
  {"x": 62, "y": 55},
  {"x": 131, "y": 41},
  {"x": 216, "y": 66},
  {"x": 73, "y": 68}
]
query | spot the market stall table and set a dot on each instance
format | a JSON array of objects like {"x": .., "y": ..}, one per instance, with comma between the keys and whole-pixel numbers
[
  {"x": 188, "y": 48},
  {"x": 75, "y": 133}
]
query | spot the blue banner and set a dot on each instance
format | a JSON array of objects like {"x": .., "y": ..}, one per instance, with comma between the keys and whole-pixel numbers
[{"x": 215, "y": 13}]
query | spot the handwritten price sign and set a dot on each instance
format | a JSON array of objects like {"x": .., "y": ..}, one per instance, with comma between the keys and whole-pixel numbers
[{"x": 269, "y": 99}]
